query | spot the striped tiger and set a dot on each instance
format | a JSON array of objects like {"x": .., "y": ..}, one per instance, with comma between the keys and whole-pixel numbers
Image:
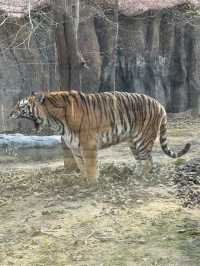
[{"x": 88, "y": 122}]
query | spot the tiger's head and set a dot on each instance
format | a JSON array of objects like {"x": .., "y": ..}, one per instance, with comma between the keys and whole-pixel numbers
[
  {"x": 31, "y": 108},
  {"x": 55, "y": 110}
]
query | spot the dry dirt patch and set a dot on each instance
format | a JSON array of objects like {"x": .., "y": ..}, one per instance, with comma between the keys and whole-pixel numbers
[{"x": 48, "y": 218}]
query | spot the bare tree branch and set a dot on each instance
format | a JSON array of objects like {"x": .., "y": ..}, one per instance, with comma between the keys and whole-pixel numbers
[{"x": 29, "y": 14}]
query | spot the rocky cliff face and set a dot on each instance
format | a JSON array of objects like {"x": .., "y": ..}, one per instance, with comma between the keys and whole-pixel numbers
[
  {"x": 158, "y": 54},
  {"x": 24, "y": 66}
]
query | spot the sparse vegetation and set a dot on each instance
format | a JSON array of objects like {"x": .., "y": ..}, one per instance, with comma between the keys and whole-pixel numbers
[
  {"x": 125, "y": 221},
  {"x": 180, "y": 161}
]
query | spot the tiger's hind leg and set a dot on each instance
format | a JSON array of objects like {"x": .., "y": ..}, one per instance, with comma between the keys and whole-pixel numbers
[
  {"x": 147, "y": 165},
  {"x": 143, "y": 158}
]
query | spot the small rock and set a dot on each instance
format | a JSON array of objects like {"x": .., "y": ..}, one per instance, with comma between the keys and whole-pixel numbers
[
  {"x": 140, "y": 201},
  {"x": 46, "y": 212}
]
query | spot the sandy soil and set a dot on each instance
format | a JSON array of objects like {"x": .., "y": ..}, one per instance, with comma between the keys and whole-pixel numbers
[{"x": 48, "y": 218}]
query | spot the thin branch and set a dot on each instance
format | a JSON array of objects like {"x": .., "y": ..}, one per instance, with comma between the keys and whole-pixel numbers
[
  {"x": 29, "y": 14},
  {"x": 3, "y": 21},
  {"x": 17, "y": 34}
]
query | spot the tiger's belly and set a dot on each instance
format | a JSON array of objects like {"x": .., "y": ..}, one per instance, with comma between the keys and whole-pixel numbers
[{"x": 107, "y": 139}]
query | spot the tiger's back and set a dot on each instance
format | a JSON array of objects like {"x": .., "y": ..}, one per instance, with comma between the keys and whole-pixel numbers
[{"x": 125, "y": 116}]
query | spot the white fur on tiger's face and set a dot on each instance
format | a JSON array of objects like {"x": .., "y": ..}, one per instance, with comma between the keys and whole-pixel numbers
[
  {"x": 88, "y": 122},
  {"x": 31, "y": 108}
]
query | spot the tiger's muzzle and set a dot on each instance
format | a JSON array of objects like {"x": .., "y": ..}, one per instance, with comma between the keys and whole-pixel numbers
[
  {"x": 18, "y": 114},
  {"x": 14, "y": 114}
]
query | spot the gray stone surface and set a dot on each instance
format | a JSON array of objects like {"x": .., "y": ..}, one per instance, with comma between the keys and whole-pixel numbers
[{"x": 158, "y": 54}]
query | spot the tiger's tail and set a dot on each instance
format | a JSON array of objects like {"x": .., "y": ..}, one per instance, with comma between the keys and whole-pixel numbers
[{"x": 164, "y": 145}]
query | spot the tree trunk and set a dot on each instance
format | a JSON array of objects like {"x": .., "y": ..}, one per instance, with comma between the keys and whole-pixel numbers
[
  {"x": 70, "y": 61},
  {"x": 115, "y": 43},
  {"x": 109, "y": 35}
]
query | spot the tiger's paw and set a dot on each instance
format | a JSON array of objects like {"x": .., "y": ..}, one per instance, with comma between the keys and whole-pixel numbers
[
  {"x": 91, "y": 181},
  {"x": 71, "y": 166}
]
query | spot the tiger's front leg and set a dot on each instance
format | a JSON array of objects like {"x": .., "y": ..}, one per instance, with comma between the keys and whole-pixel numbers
[
  {"x": 75, "y": 163},
  {"x": 70, "y": 163},
  {"x": 90, "y": 165},
  {"x": 88, "y": 149}
]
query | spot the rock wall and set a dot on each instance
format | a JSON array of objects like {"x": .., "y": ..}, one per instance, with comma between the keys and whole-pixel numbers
[
  {"x": 24, "y": 67},
  {"x": 158, "y": 54}
]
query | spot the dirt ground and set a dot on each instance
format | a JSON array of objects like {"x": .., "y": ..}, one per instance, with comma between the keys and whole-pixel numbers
[{"x": 48, "y": 218}]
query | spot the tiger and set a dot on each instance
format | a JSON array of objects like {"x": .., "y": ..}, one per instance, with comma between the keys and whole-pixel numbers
[{"x": 88, "y": 122}]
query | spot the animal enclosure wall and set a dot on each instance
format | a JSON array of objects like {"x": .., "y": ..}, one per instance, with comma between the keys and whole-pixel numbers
[{"x": 158, "y": 54}]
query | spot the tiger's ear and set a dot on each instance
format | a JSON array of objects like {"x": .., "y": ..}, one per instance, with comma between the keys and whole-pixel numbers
[{"x": 40, "y": 98}]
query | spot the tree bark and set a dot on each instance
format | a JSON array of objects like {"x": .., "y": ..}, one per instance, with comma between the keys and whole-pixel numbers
[
  {"x": 115, "y": 43},
  {"x": 70, "y": 61},
  {"x": 109, "y": 36}
]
